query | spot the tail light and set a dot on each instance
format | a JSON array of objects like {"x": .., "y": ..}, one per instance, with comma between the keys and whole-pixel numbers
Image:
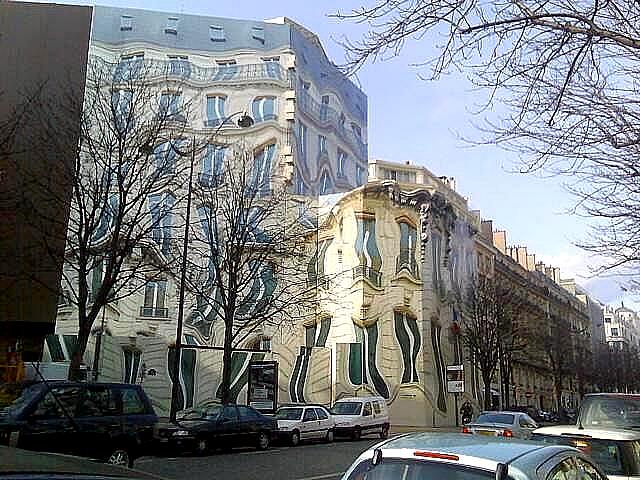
[
  {"x": 466, "y": 430},
  {"x": 507, "y": 433}
]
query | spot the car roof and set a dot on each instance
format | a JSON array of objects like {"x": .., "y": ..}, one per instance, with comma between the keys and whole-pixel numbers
[
  {"x": 502, "y": 412},
  {"x": 359, "y": 399},
  {"x": 602, "y": 434},
  {"x": 82, "y": 384},
  {"x": 633, "y": 396}
]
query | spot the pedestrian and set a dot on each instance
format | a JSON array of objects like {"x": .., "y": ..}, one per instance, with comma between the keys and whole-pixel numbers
[{"x": 466, "y": 411}]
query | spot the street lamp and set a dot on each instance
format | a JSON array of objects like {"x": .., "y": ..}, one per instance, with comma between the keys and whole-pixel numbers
[{"x": 244, "y": 121}]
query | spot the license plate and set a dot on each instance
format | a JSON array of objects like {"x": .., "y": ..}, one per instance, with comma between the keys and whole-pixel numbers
[{"x": 487, "y": 432}]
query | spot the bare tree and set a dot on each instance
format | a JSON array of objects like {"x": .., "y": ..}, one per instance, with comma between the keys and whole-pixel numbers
[
  {"x": 124, "y": 184},
  {"x": 563, "y": 76},
  {"x": 489, "y": 329},
  {"x": 251, "y": 257}
]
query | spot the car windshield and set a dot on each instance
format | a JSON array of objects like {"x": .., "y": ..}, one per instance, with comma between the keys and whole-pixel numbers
[
  {"x": 17, "y": 397},
  {"x": 504, "y": 418},
  {"x": 289, "y": 414},
  {"x": 346, "y": 408},
  {"x": 606, "y": 453},
  {"x": 200, "y": 412},
  {"x": 393, "y": 469},
  {"x": 601, "y": 411}
]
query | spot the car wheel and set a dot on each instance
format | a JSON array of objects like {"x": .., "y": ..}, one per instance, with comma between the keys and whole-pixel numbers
[
  {"x": 263, "y": 441},
  {"x": 384, "y": 433},
  {"x": 295, "y": 438},
  {"x": 120, "y": 456},
  {"x": 329, "y": 436},
  {"x": 356, "y": 434},
  {"x": 202, "y": 446}
]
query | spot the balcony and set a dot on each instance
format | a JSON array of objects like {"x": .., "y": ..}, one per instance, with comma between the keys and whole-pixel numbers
[
  {"x": 326, "y": 115},
  {"x": 266, "y": 118},
  {"x": 209, "y": 180},
  {"x": 368, "y": 273},
  {"x": 407, "y": 261},
  {"x": 319, "y": 281},
  {"x": 154, "y": 312}
]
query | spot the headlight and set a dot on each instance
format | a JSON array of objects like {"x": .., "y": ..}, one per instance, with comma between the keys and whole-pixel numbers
[{"x": 181, "y": 433}]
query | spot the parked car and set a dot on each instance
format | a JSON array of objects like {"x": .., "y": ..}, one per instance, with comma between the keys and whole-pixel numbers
[
  {"x": 16, "y": 463},
  {"x": 609, "y": 411},
  {"x": 471, "y": 457},
  {"x": 616, "y": 451},
  {"x": 213, "y": 425},
  {"x": 357, "y": 416},
  {"x": 304, "y": 422},
  {"x": 111, "y": 422},
  {"x": 502, "y": 424}
]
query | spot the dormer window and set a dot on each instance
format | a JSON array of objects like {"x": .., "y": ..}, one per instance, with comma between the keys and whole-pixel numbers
[
  {"x": 257, "y": 33},
  {"x": 216, "y": 33},
  {"x": 172, "y": 26},
  {"x": 126, "y": 23}
]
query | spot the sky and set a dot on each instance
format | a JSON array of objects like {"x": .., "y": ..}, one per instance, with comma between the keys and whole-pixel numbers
[{"x": 421, "y": 121}]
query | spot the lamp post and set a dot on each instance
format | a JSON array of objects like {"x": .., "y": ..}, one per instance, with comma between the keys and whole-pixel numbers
[{"x": 244, "y": 121}]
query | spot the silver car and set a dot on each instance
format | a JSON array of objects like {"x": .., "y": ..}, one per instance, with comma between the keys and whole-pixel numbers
[
  {"x": 502, "y": 424},
  {"x": 470, "y": 457}
]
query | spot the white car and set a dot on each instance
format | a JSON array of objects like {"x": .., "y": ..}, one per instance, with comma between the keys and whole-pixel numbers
[
  {"x": 357, "y": 416},
  {"x": 444, "y": 456},
  {"x": 304, "y": 422},
  {"x": 502, "y": 424},
  {"x": 616, "y": 451}
]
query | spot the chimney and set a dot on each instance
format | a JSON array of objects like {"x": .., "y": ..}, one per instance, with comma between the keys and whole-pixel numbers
[
  {"x": 540, "y": 267},
  {"x": 521, "y": 253},
  {"x": 486, "y": 229},
  {"x": 548, "y": 271},
  {"x": 531, "y": 262},
  {"x": 500, "y": 241},
  {"x": 556, "y": 275}
]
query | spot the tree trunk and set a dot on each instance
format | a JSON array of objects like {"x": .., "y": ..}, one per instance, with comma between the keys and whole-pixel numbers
[
  {"x": 486, "y": 380},
  {"x": 557, "y": 386},
  {"x": 225, "y": 385},
  {"x": 77, "y": 355}
]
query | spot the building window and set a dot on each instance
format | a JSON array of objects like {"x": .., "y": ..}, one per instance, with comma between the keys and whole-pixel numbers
[
  {"x": 257, "y": 33},
  {"x": 301, "y": 188},
  {"x": 179, "y": 66},
  {"x": 272, "y": 66},
  {"x": 357, "y": 131},
  {"x": 212, "y": 166},
  {"x": 322, "y": 144},
  {"x": 326, "y": 185},
  {"x": 227, "y": 69},
  {"x": 165, "y": 156},
  {"x": 170, "y": 104},
  {"x": 216, "y": 33},
  {"x": 129, "y": 67},
  {"x": 324, "y": 108},
  {"x": 607, "y": 320},
  {"x": 215, "y": 110},
  {"x": 264, "y": 108},
  {"x": 121, "y": 101},
  {"x": 406, "y": 259},
  {"x": 342, "y": 162},
  {"x": 316, "y": 268},
  {"x": 172, "y": 26},
  {"x": 263, "y": 160},
  {"x": 126, "y": 23},
  {"x": 155, "y": 292},
  {"x": 359, "y": 175},
  {"x": 408, "y": 336},
  {"x": 614, "y": 332},
  {"x": 131, "y": 366},
  {"x": 302, "y": 142},
  {"x": 370, "y": 261},
  {"x": 161, "y": 206},
  {"x": 341, "y": 121}
]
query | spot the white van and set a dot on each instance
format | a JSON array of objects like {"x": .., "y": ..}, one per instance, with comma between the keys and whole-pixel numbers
[{"x": 357, "y": 416}]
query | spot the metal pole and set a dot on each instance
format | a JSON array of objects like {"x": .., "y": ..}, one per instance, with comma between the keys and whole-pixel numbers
[
  {"x": 175, "y": 388},
  {"x": 98, "y": 348},
  {"x": 455, "y": 406}
]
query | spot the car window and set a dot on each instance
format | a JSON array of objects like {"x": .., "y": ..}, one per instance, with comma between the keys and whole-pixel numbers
[
  {"x": 589, "y": 472},
  {"x": 322, "y": 415},
  {"x": 366, "y": 410},
  {"x": 289, "y": 414},
  {"x": 132, "y": 404},
  {"x": 376, "y": 408},
  {"x": 504, "y": 418},
  {"x": 602, "y": 411},
  {"x": 346, "y": 408},
  {"x": 58, "y": 402},
  {"x": 527, "y": 422},
  {"x": 565, "y": 470},
  {"x": 309, "y": 415},
  {"x": 230, "y": 413},
  {"x": 247, "y": 412},
  {"x": 394, "y": 469},
  {"x": 97, "y": 402}
]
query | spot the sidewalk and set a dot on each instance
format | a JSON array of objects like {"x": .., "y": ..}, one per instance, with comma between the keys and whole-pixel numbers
[{"x": 397, "y": 429}]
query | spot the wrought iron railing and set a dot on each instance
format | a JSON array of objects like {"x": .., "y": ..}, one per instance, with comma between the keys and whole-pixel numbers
[
  {"x": 407, "y": 261},
  {"x": 155, "y": 312},
  {"x": 210, "y": 180},
  {"x": 374, "y": 276}
]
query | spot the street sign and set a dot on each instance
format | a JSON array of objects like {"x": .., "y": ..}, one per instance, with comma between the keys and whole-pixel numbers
[
  {"x": 455, "y": 378},
  {"x": 262, "y": 391}
]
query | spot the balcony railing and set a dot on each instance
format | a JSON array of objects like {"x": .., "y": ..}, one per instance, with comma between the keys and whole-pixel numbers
[
  {"x": 374, "y": 276},
  {"x": 327, "y": 115},
  {"x": 210, "y": 180},
  {"x": 154, "y": 312},
  {"x": 321, "y": 281},
  {"x": 128, "y": 70},
  {"x": 407, "y": 261}
]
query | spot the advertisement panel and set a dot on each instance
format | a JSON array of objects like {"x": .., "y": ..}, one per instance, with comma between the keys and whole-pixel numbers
[
  {"x": 455, "y": 378},
  {"x": 262, "y": 393}
]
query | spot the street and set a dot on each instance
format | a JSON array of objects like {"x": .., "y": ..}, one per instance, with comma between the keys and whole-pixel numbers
[{"x": 313, "y": 461}]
